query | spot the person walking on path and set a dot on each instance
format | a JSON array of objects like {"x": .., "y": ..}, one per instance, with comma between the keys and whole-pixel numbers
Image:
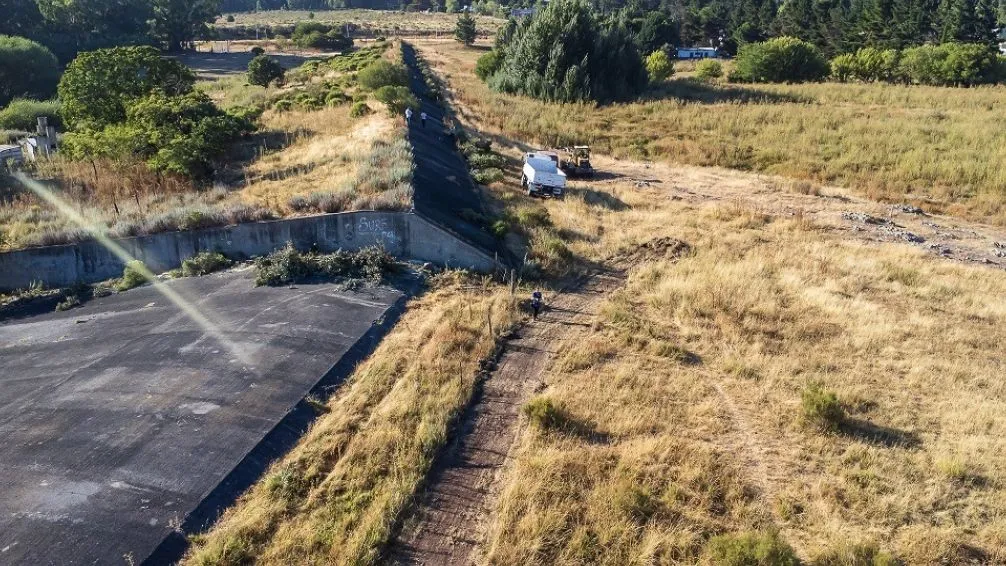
[
  {"x": 408, "y": 116},
  {"x": 536, "y": 300},
  {"x": 422, "y": 117}
]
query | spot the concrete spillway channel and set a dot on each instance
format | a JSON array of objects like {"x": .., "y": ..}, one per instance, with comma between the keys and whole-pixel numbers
[{"x": 123, "y": 423}]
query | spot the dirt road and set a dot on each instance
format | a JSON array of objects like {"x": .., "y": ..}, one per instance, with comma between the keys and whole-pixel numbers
[{"x": 449, "y": 524}]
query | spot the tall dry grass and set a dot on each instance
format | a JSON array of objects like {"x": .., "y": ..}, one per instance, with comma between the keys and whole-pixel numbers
[
  {"x": 939, "y": 147},
  {"x": 335, "y": 498},
  {"x": 683, "y": 398}
]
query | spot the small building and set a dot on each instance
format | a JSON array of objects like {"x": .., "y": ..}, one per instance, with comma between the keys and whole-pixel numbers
[
  {"x": 698, "y": 53},
  {"x": 521, "y": 12}
]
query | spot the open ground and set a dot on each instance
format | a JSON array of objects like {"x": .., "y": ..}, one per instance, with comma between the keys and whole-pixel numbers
[{"x": 676, "y": 414}]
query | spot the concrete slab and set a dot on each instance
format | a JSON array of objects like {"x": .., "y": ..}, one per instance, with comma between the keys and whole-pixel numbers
[{"x": 119, "y": 418}]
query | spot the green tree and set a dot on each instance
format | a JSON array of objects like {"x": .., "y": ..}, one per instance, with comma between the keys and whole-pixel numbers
[
  {"x": 656, "y": 31},
  {"x": 564, "y": 54},
  {"x": 98, "y": 85},
  {"x": 659, "y": 66},
  {"x": 20, "y": 17},
  {"x": 180, "y": 135},
  {"x": 783, "y": 59},
  {"x": 22, "y": 114},
  {"x": 320, "y": 36},
  {"x": 27, "y": 70},
  {"x": 263, "y": 70},
  {"x": 177, "y": 23},
  {"x": 452, "y": 6},
  {"x": 382, "y": 73},
  {"x": 465, "y": 30}
]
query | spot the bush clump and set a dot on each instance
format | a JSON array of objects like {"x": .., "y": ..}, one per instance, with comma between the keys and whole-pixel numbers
[
  {"x": 821, "y": 408},
  {"x": 133, "y": 276},
  {"x": 205, "y": 263},
  {"x": 751, "y": 549},
  {"x": 396, "y": 99},
  {"x": 708, "y": 69},
  {"x": 317, "y": 35},
  {"x": 382, "y": 73},
  {"x": 779, "y": 60},
  {"x": 291, "y": 266},
  {"x": 263, "y": 70},
  {"x": 545, "y": 414},
  {"x": 659, "y": 66},
  {"x": 359, "y": 109},
  {"x": 487, "y": 64},
  {"x": 22, "y": 114}
]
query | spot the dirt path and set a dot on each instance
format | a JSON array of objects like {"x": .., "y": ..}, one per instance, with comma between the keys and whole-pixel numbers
[{"x": 449, "y": 524}]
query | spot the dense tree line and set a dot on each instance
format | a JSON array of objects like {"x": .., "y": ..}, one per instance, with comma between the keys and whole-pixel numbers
[{"x": 69, "y": 26}]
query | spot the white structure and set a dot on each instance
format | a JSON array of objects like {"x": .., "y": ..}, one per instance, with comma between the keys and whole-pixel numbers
[
  {"x": 698, "y": 53},
  {"x": 42, "y": 143}
]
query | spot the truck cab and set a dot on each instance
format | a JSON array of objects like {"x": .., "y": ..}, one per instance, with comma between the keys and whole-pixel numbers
[{"x": 541, "y": 175}]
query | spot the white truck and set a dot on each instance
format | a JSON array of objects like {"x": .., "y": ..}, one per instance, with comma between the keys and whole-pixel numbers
[{"x": 542, "y": 176}]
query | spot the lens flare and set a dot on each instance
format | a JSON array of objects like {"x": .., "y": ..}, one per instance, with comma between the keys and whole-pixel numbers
[{"x": 186, "y": 307}]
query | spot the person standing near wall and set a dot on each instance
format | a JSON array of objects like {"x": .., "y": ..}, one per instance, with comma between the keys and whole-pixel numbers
[
  {"x": 422, "y": 118},
  {"x": 408, "y": 116}
]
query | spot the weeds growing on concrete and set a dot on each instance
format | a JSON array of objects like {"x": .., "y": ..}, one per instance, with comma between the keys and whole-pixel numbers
[
  {"x": 291, "y": 266},
  {"x": 205, "y": 263}
]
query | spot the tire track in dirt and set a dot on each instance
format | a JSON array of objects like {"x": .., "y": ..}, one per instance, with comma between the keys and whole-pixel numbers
[{"x": 449, "y": 525}]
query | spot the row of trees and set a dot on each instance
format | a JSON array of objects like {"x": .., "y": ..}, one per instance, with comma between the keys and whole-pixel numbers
[
  {"x": 834, "y": 26},
  {"x": 69, "y": 26},
  {"x": 788, "y": 59}
]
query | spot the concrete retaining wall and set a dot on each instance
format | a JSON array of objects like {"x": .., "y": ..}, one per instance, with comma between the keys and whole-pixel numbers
[{"x": 405, "y": 235}]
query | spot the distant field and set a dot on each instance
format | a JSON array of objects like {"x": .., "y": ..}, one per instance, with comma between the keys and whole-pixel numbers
[
  {"x": 937, "y": 147},
  {"x": 372, "y": 21}
]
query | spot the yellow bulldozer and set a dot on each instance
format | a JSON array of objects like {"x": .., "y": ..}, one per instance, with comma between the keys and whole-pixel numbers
[{"x": 575, "y": 161}]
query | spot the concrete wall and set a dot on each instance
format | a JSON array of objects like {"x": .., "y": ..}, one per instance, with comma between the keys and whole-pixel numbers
[{"x": 405, "y": 235}]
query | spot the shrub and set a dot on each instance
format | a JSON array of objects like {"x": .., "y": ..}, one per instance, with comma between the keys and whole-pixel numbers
[
  {"x": 396, "y": 98},
  {"x": 359, "y": 109},
  {"x": 204, "y": 263},
  {"x": 564, "y": 54},
  {"x": 22, "y": 114},
  {"x": 545, "y": 414},
  {"x": 28, "y": 69},
  {"x": 487, "y": 64},
  {"x": 751, "y": 549},
  {"x": 230, "y": 18},
  {"x": 659, "y": 66},
  {"x": 850, "y": 554},
  {"x": 487, "y": 176},
  {"x": 949, "y": 64},
  {"x": 71, "y": 301},
  {"x": 708, "y": 69},
  {"x": 320, "y": 36},
  {"x": 843, "y": 67},
  {"x": 821, "y": 408},
  {"x": 133, "y": 275},
  {"x": 783, "y": 59},
  {"x": 263, "y": 70},
  {"x": 382, "y": 73},
  {"x": 256, "y": 51}
]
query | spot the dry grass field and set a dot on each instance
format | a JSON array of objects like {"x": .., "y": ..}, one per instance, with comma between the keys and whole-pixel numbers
[
  {"x": 770, "y": 381},
  {"x": 305, "y": 159},
  {"x": 937, "y": 147},
  {"x": 335, "y": 498},
  {"x": 371, "y": 22}
]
